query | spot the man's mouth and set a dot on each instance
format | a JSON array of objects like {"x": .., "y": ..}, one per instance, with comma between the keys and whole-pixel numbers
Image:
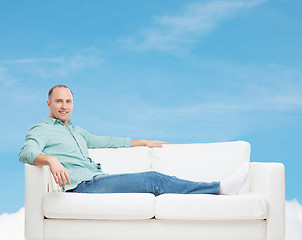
[{"x": 63, "y": 112}]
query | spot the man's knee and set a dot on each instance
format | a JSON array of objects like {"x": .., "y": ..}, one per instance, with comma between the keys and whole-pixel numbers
[{"x": 154, "y": 174}]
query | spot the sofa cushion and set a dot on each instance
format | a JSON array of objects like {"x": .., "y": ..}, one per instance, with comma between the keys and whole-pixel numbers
[
  {"x": 98, "y": 206},
  {"x": 201, "y": 161},
  {"x": 122, "y": 160},
  {"x": 211, "y": 207}
]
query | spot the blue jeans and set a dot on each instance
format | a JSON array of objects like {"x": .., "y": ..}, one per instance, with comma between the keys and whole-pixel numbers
[{"x": 145, "y": 182}]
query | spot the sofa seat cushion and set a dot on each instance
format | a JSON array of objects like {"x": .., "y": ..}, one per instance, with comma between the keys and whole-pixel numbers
[
  {"x": 211, "y": 207},
  {"x": 99, "y": 206}
]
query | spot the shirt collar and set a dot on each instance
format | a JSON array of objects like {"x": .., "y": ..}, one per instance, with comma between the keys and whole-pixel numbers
[{"x": 55, "y": 121}]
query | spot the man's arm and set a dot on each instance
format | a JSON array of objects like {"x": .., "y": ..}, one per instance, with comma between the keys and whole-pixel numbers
[
  {"x": 148, "y": 143},
  {"x": 56, "y": 168},
  {"x": 94, "y": 141},
  {"x": 31, "y": 153}
]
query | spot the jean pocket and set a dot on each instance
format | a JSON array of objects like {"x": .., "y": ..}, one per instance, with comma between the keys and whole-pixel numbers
[{"x": 87, "y": 185}]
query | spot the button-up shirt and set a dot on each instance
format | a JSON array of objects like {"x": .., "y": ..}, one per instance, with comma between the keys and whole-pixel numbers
[{"x": 69, "y": 144}]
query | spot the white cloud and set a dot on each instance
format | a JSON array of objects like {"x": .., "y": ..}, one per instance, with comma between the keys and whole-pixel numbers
[
  {"x": 293, "y": 220},
  {"x": 12, "y": 225},
  {"x": 173, "y": 32}
]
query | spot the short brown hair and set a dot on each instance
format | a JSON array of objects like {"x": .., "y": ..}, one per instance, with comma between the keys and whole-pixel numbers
[{"x": 53, "y": 88}]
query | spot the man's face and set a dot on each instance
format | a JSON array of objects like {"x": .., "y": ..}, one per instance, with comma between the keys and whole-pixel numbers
[{"x": 60, "y": 104}]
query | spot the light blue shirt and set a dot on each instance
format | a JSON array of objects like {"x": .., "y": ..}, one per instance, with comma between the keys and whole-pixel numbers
[{"x": 69, "y": 144}]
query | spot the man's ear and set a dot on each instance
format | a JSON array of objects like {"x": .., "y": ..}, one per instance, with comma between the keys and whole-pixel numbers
[{"x": 48, "y": 103}]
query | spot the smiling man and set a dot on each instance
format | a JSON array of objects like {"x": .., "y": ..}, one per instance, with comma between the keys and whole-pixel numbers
[
  {"x": 60, "y": 103},
  {"x": 62, "y": 146}
]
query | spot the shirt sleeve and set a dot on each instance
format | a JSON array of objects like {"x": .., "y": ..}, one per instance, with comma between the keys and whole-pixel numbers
[
  {"x": 105, "y": 141},
  {"x": 33, "y": 146}
]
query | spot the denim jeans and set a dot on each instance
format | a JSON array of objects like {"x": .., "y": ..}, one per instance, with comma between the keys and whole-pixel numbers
[{"x": 145, "y": 182}]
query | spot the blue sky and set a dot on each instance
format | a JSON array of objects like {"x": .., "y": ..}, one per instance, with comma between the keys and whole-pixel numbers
[{"x": 173, "y": 70}]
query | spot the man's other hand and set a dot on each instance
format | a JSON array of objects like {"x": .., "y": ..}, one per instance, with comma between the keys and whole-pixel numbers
[
  {"x": 148, "y": 143},
  {"x": 152, "y": 144}
]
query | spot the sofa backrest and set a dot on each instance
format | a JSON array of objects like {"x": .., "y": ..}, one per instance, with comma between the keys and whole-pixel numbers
[
  {"x": 200, "y": 162},
  {"x": 122, "y": 160},
  {"x": 196, "y": 162}
]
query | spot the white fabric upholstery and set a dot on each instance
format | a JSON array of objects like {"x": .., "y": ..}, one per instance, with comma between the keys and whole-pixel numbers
[
  {"x": 142, "y": 206},
  {"x": 54, "y": 215},
  {"x": 204, "y": 162},
  {"x": 122, "y": 160},
  {"x": 201, "y": 162},
  {"x": 152, "y": 229},
  {"x": 197, "y": 162},
  {"x": 211, "y": 207},
  {"x": 268, "y": 179},
  {"x": 35, "y": 186},
  {"x": 115, "y": 161},
  {"x": 99, "y": 206}
]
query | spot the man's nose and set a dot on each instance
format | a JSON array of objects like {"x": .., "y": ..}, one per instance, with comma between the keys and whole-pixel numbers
[{"x": 64, "y": 105}]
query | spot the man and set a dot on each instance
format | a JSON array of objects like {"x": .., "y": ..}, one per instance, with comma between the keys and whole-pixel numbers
[{"x": 56, "y": 142}]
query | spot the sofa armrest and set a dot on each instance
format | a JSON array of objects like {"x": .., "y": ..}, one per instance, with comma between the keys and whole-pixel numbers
[
  {"x": 36, "y": 179},
  {"x": 268, "y": 179}
]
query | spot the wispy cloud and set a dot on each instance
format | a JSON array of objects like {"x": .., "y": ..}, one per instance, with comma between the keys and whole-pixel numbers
[
  {"x": 58, "y": 60},
  {"x": 266, "y": 87},
  {"x": 6, "y": 79},
  {"x": 19, "y": 75},
  {"x": 171, "y": 33},
  {"x": 249, "y": 98},
  {"x": 58, "y": 67}
]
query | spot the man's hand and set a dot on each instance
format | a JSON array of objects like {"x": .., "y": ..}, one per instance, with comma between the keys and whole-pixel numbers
[
  {"x": 148, "y": 143},
  {"x": 59, "y": 172},
  {"x": 152, "y": 144},
  {"x": 56, "y": 168}
]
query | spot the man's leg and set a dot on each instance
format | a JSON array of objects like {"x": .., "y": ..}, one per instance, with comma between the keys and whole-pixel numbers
[{"x": 146, "y": 182}]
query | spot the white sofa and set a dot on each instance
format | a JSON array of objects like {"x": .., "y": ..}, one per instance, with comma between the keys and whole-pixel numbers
[{"x": 257, "y": 212}]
